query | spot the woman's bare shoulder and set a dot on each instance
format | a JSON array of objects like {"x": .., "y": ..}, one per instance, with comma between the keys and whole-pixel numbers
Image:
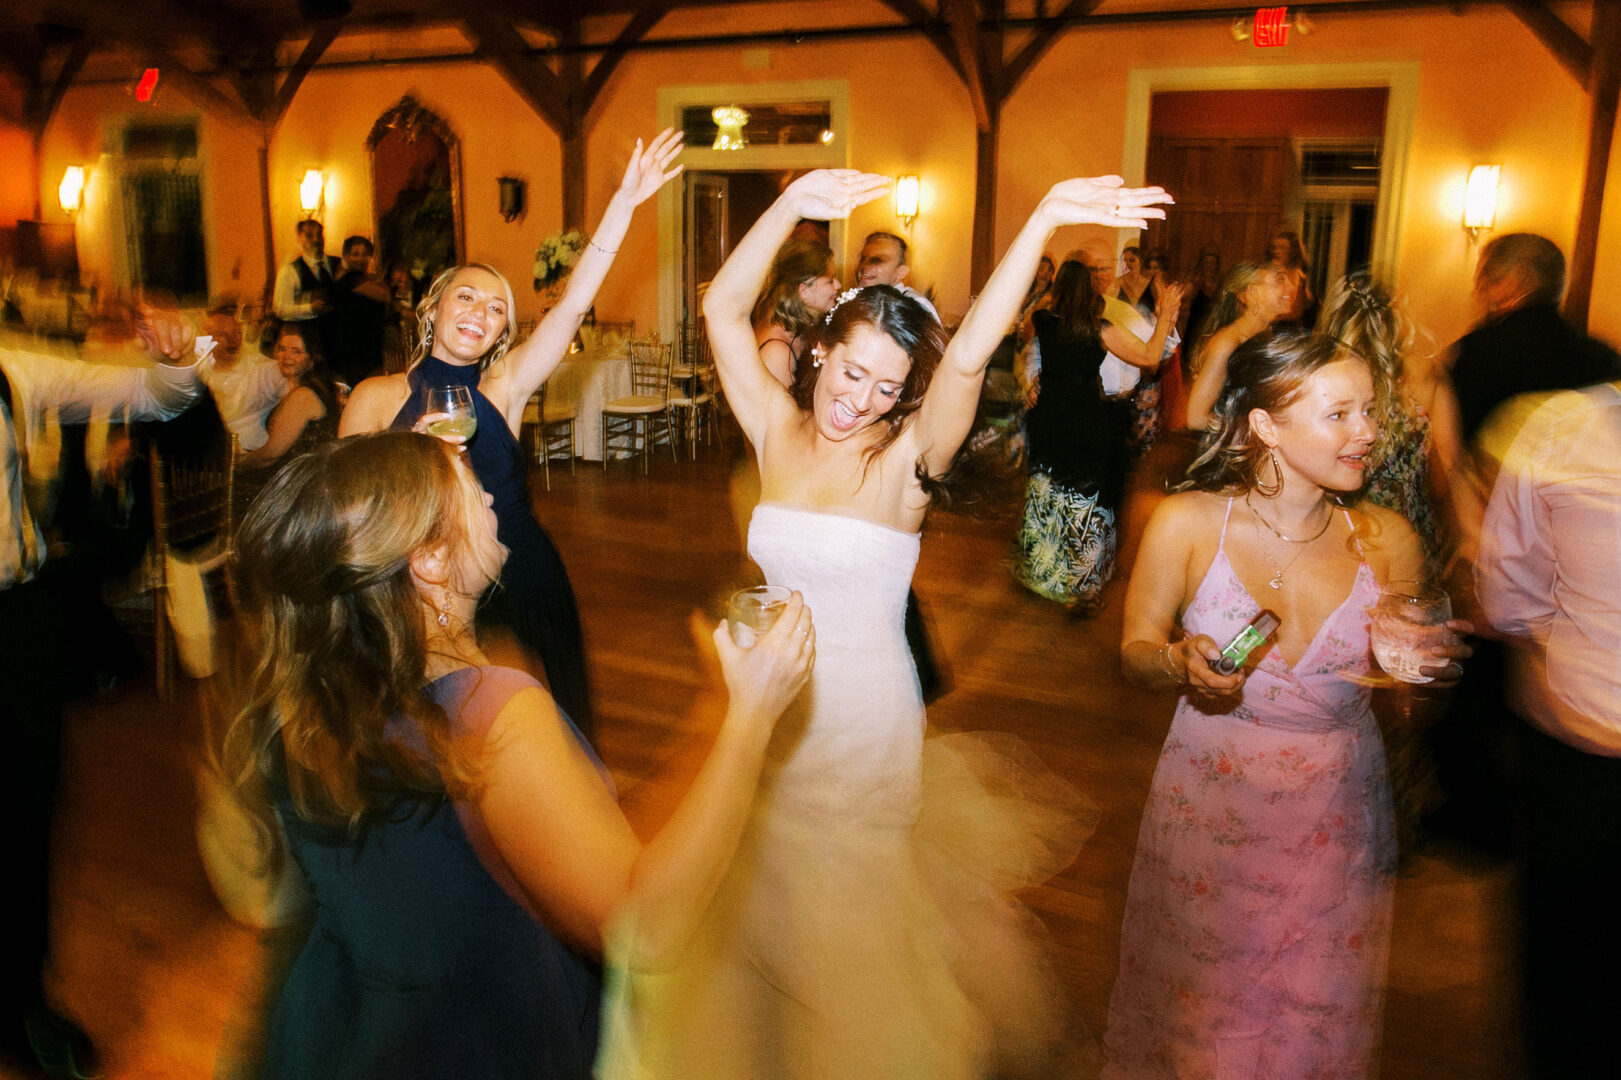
[
  {"x": 373, "y": 404},
  {"x": 1190, "y": 511}
]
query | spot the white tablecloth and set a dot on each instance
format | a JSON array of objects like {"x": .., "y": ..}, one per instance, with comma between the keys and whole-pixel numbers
[{"x": 586, "y": 381}]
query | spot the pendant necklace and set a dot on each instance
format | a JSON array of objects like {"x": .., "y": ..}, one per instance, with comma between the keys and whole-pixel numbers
[{"x": 1278, "y": 571}]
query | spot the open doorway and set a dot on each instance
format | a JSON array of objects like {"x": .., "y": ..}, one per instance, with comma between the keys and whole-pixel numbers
[
  {"x": 1246, "y": 163},
  {"x": 718, "y": 208}
]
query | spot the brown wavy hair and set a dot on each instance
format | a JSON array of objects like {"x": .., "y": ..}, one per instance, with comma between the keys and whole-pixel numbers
[
  {"x": 334, "y": 637},
  {"x": 1267, "y": 372},
  {"x": 430, "y": 301},
  {"x": 1229, "y": 304},
  {"x": 798, "y": 261},
  {"x": 905, "y": 322}
]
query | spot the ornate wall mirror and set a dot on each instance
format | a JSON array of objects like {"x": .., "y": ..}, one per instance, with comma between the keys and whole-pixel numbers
[{"x": 416, "y": 186}]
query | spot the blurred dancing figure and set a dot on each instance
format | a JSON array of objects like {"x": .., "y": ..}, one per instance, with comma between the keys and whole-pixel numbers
[
  {"x": 466, "y": 338},
  {"x": 1251, "y": 300},
  {"x": 462, "y": 842},
  {"x": 1258, "y": 918},
  {"x": 799, "y": 291},
  {"x": 864, "y": 931},
  {"x": 37, "y": 640},
  {"x": 1549, "y": 576}
]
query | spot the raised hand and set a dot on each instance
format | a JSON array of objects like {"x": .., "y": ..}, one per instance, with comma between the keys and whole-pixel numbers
[
  {"x": 649, "y": 169},
  {"x": 164, "y": 331},
  {"x": 1169, "y": 300},
  {"x": 827, "y": 194},
  {"x": 1102, "y": 200}
]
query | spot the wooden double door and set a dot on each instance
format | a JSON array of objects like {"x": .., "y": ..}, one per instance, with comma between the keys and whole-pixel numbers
[{"x": 1231, "y": 193}]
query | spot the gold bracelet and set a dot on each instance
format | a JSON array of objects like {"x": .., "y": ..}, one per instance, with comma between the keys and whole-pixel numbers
[{"x": 1167, "y": 665}]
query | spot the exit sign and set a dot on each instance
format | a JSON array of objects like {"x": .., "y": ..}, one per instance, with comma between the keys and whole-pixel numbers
[{"x": 1271, "y": 27}]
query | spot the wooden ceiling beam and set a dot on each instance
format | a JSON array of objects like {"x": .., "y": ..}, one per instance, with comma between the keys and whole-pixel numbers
[
  {"x": 503, "y": 46},
  {"x": 638, "y": 27},
  {"x": 1041, "y": 40},
  {"x": 325, "y": 34},
  {"x": 1567, "y": 46},
  {"x": 962, "y": 17},
  {"x": 928, "y": 24}
]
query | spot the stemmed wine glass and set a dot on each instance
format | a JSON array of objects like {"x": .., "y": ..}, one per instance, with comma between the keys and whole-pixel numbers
[
  {"x": 1409, "y": 618},
  {"x": 453, "y": 408}
]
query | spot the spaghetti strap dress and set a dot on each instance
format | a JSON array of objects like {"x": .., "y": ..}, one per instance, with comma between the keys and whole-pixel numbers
[
  {"x": 533, "y": 598},
  {"x": 1257, "y": 922}
]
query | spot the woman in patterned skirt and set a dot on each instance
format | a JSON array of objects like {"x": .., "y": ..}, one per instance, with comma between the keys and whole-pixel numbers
[{"x": 1078, "y": 443}]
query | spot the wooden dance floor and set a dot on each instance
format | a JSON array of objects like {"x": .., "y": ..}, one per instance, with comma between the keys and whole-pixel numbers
[{"x": 163, "y": 980}]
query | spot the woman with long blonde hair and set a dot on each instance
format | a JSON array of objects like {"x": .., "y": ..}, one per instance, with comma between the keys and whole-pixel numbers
[
  {"x": 463, "y": 845},
  {"x": 1251, "y": 299},
  {"x": 467, "y": 338}
]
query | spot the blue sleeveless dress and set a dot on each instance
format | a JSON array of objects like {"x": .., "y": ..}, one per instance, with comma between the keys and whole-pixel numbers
[
  {"x": 425, "y": 960},
  {"x": 534, "y": 599}
]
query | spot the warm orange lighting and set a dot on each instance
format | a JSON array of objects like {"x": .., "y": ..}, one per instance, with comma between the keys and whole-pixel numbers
[
  {"x": 1480, "y": 198},
  {"x": 906, "y": 194},
  {"x": 71, "y": 193},
  {"x": 311, "y": 191}
]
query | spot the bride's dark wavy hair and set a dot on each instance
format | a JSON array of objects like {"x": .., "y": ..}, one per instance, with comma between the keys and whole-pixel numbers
[
  {"x": 906, "y": 322},
  {"x": 1267, "y": 372}
]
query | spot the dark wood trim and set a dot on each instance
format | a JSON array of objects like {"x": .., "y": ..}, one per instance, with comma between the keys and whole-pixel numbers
[
  {"x": 1042, "y": 40},
  {"x": 1604, "y": 91},
  {"x": 927, "y": 23},
  {"x": 982, "y": 259},
  {"x": 504, "y": 47},
  {"x": 325, "y": 34},
  {"x": 634, "y": 31},
  {"x": 1566, "y": 45},
  {"x": 962, "y": 17}
]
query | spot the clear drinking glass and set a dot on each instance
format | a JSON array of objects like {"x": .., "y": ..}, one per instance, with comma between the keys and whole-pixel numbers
[
  {"x": 456, "y": 402},
  {"x": 751, "y": 612},
  {"x": 1409, "y": 618}
]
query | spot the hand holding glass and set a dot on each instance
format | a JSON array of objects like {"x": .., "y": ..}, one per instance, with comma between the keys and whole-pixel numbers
[
  {"x": 1409, "y": 619},
  {"x": 751, "y": 612},
  {"x": 452, "y": 409}
]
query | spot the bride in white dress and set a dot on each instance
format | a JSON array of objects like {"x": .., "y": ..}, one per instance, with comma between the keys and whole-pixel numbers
[{"x": 863, "y": 930}]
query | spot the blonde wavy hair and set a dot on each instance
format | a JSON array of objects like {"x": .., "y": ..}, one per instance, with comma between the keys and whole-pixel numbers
[{"x": 428, "y": 306}]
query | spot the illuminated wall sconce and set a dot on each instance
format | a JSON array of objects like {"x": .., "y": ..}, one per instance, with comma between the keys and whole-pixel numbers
[
  {"x": 730, "y": 120},
  {"x": 71, "y": 192},
  {"x": 514, "y": 197},
  {"x": 906, "y": 199},
  {"x": 312, "y": 192},
  {"x": 1480, "y": 199}
]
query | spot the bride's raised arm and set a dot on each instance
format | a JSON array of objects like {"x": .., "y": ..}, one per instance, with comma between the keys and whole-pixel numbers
[
  {"x": 752, "y": 391},
  {"x": 947, "y": 411},
  {"x": 533, "y": 361}
]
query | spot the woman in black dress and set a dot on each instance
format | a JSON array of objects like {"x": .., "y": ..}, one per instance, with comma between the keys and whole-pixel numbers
[
  {"x": 466, "y": 339},
  {"x": 1078, "y": 444}
]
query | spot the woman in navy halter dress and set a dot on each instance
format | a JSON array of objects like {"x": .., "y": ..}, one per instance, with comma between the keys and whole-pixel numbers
[
  {"x": 534, "y": 598},
  {"x": 466, "y": 339}
]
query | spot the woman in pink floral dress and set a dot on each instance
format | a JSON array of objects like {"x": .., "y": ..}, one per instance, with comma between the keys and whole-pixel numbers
[{"x": 1258, "y": 917}]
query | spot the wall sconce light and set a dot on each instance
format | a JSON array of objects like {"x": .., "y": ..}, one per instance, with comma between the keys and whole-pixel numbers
[
  {"x": 71, "y": 192},
  {"x": 514, "y": 197},
  {"x": 312, "y": 192},
  {"x": 730, "y": 119},
  {"x": 1480, "y": 199},
  {"x": 906, "y": 189}
]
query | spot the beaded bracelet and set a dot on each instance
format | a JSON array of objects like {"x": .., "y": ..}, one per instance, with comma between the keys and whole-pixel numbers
[{"x": 593, "y": 242}]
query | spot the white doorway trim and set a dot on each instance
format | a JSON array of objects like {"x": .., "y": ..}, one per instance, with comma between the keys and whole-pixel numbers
[
  {"x": 1399, "y": 76},
  {"x": 673, "y": 99}
]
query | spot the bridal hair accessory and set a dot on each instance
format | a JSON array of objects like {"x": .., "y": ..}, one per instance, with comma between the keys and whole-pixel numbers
[
  {"x": 1277, "y": 477},
  {"x": 842, "y": 297}
]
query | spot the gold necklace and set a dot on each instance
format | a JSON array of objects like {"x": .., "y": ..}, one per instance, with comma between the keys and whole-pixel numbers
[{"x": 1276, "y": 581}]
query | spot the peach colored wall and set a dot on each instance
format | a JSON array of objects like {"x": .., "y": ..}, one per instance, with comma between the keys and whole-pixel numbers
[
  {"x": 17, "y": 151},
  {"x": 909, "y": 113}
]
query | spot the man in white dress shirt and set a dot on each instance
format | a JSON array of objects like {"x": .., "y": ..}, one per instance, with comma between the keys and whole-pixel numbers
[
  {"x": 1549, "y": 577},
  {"x": 306, "y": 287},
  {"x": 884, "y": 262},
  {"x": 35, "y": 641},
  {"x": 246, "y": 386}
]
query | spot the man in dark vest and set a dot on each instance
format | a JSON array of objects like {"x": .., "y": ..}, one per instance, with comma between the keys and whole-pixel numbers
[{"x": 305, "y": 287}]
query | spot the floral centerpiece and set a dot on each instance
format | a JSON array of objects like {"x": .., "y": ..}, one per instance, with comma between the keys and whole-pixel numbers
[{"x": 555, "y": 257}]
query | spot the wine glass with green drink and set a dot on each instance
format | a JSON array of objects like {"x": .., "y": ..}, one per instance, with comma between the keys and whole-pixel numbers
[{"x": 453, "y": 408}]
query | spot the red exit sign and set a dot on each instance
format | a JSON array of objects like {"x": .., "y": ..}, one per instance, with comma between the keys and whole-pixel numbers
[{"x": 1271, "y": 27}]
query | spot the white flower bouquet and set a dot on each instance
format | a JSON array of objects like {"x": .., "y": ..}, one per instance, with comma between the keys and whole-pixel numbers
[{"x": 556, "y": 255}]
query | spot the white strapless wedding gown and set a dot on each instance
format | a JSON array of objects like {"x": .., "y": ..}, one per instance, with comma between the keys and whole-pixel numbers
[{"x": 863, "y": 929}]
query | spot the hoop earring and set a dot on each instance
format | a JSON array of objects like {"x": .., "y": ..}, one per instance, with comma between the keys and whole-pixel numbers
[{"x": 1277, "y": 477}]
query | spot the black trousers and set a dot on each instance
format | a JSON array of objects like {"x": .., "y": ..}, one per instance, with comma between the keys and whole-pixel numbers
[
  {"x": 34, "y": 684},
  {"x": 1571, "y": 918}
]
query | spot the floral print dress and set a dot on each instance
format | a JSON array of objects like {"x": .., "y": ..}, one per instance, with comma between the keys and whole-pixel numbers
[{"x": 1257, "y": 924}]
